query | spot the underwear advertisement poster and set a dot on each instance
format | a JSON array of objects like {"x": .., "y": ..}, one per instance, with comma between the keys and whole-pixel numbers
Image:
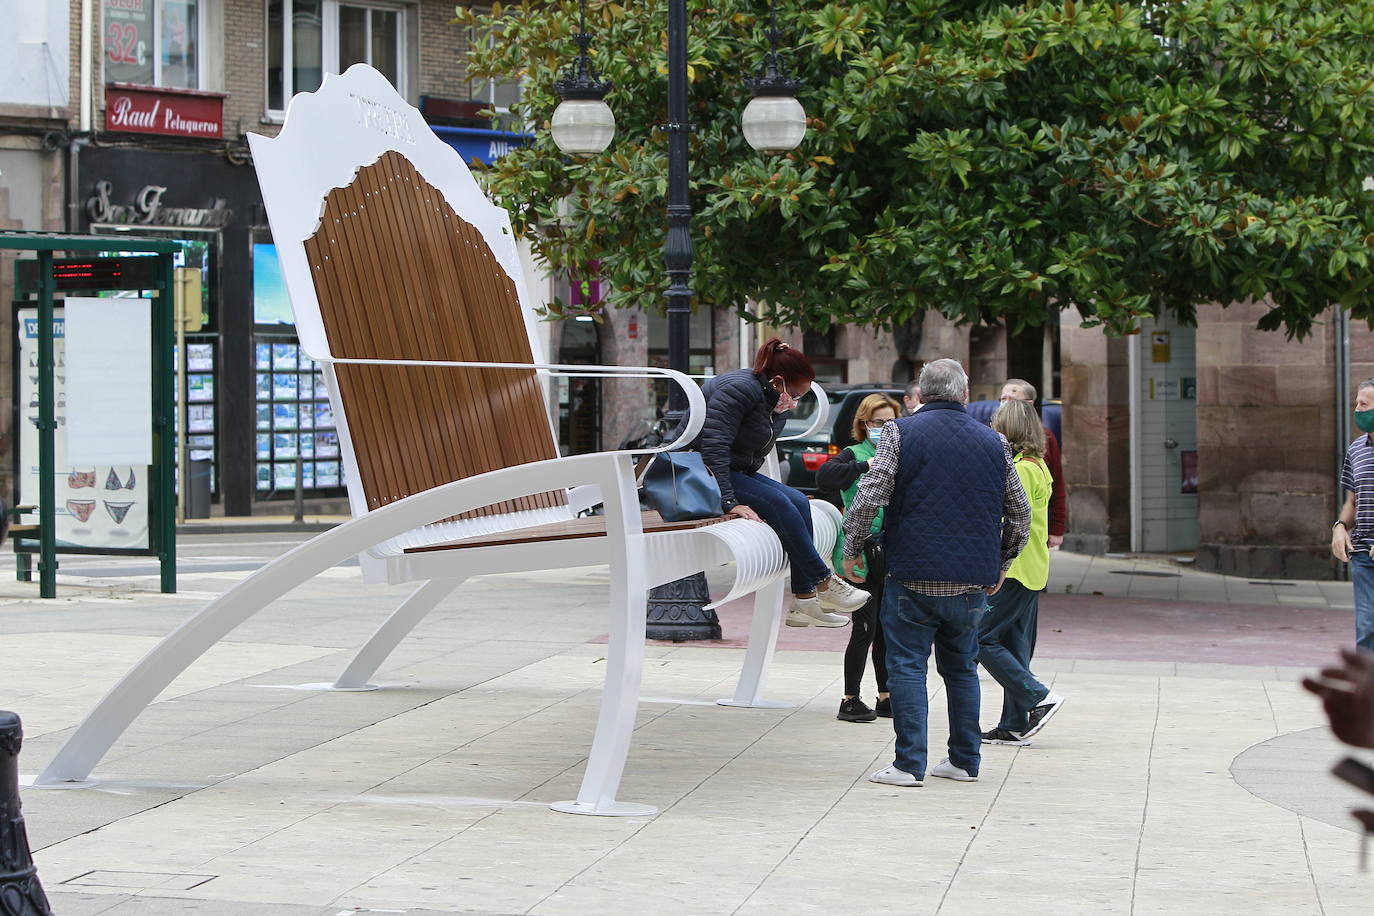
[{"x": 102, "y": 503}]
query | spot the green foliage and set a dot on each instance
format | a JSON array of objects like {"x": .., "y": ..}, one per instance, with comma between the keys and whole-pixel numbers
[{"x": 993, "y": 162}]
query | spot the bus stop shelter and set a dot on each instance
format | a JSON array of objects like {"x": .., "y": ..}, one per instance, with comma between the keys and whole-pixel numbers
[{"x": 86, "y": 267}]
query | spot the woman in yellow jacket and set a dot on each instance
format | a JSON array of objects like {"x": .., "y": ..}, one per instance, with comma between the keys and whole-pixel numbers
[{"x": 1006, "y": 635}]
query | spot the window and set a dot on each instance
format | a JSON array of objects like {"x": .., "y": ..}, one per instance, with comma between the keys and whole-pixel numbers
[
  {"x": 370, "y": 36},
  {"x": 308, "y": 38},
  {"x": 500, "y": 95},
  {"x": 154, "y": 42}
]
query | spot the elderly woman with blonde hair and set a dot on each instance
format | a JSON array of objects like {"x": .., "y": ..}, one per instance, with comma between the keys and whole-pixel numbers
[{"x": 1006, "y": 638}]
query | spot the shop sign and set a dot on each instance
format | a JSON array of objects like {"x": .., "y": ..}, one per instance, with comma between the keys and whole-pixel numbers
[
  {"x": 1160, "y": 351},
  {"x": 147, "y": 210},
  {"x": 175, "y": 112},
  {"x": 1165, "y": 389}
]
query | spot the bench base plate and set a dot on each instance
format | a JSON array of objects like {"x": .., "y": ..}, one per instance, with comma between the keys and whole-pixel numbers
[
  {"x": 756, "y": 704},
  {"x": 614, "y": 809}
]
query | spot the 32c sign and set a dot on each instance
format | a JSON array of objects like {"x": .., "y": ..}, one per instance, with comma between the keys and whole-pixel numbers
[{"x": 124, "y": 46}]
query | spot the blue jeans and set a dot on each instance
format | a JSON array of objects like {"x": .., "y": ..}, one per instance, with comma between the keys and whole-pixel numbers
[
  {"x": 788, "y": 513},
  {"x": 1362, "y": 576},
  {"x": 913, "y": 623},
  {"x": 1006, "y": 638}
]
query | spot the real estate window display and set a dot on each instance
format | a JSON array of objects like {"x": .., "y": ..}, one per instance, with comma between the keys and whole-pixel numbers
[{"x": 294, "y": 419}]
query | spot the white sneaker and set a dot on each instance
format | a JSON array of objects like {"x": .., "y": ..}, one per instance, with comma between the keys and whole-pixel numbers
[
  {"x": 946, "y": 770},
  {"x": 891, "y": 776},
  {"x": 841, "y": 596},
  {"x": 807, "y": 612}
]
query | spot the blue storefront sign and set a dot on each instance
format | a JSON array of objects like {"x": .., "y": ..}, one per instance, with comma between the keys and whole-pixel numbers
[{"x": 485, "y": 146}]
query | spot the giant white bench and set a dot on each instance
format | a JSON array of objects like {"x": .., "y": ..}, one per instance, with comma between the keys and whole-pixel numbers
[{"x": 407, "y": 286}]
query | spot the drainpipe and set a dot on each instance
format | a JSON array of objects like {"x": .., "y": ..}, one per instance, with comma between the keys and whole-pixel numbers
[
  {"x": 1133, "y": 404},
  {"x": 85, "y": 46},
  {"x": 1342, "y": 327},
  {"x": 73, "y": 220}
]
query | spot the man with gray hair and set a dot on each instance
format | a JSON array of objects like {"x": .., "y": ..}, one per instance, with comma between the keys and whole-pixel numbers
[{"x": 956, "y": 518}]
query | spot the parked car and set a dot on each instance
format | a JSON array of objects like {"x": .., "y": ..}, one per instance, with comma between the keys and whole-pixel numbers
[{"x": 800, "y": 458}]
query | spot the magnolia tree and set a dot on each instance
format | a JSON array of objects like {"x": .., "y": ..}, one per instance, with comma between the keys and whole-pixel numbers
[{"x": 992, "y": 162}]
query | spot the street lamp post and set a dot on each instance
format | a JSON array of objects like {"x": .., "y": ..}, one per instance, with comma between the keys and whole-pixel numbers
[
  {"x": 677, "y": 610},
  {"x": 771, "y": 124}
]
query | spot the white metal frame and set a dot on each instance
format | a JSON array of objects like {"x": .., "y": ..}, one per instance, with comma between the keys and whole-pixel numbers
[{"x": 329, "y": 135}]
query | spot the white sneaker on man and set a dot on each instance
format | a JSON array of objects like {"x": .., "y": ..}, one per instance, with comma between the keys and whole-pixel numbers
[
  {"x": 807, "y": 612},
  {"x": 946, "y": 770},
  {"x": 891, "y": 776},
  {"x": 839, "y": 595}
]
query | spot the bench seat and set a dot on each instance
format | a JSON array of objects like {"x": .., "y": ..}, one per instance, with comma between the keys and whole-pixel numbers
[{"x": 591, "y": 526}]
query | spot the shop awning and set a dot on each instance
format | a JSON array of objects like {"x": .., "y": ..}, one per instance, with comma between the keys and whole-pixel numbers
[{"x": 477, "y": 143}]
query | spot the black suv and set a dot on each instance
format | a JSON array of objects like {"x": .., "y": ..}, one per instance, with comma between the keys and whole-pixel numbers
[{"x": 800, "y": 458}]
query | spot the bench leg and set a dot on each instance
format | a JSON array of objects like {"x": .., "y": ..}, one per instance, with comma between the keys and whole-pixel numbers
[
  {"x": 624, "y": 670},
  {"x": 763, "y": 639},
  {"x": 103, "y": 725},
  {"x": 395, "y": 628},
  {"x": 23, "y": 567}
]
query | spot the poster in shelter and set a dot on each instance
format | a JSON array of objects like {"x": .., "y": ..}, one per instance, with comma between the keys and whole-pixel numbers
[{"x": 99, "y": 503}]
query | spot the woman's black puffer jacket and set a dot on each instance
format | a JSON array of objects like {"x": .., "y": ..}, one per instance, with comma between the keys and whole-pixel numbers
[{"x": 740, "y": 428}]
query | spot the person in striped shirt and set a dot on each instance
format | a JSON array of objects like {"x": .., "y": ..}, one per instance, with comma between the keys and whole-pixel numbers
[{"x": 1352, "y": 536}]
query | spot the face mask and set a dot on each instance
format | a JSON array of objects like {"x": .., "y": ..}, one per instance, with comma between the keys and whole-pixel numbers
[
  {"x": 875, "y": 436},
  {"x": 1364, "y": 419},
  {"x": 785, "y": 400}
]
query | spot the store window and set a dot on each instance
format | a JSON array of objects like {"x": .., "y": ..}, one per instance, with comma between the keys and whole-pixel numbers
[
  {"x": 154, "y": 42},
  {"x": 296, "y": 439},
  {"x": 308, "y": 38}
]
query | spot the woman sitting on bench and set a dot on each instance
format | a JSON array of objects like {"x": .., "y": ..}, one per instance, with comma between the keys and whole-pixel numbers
[{"x": 745, "y": 411}]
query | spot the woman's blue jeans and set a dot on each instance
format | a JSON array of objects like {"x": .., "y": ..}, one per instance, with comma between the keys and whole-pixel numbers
[
  {"x": 1006, "y": 639},
  {"x": 788, "y": 513}
]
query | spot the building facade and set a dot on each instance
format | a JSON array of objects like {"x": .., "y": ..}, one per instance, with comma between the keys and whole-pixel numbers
[
  {"x": 1221, "y": 441},
  {"x": 132, "y": 116}
]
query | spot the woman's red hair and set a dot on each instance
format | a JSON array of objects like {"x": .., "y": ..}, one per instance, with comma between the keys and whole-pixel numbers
[{"x": 776, "y": 358}]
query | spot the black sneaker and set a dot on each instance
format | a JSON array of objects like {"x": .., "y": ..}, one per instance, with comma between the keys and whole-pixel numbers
[
  {"x": 1003, "y": 736},
  {"x": 883, "y": 707},
  {"x": 855, "y": 710},
  {"x": 1041, "y": 714}
]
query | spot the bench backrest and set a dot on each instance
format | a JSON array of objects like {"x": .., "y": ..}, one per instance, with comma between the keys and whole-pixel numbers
[{"x": 391, "y": 251}]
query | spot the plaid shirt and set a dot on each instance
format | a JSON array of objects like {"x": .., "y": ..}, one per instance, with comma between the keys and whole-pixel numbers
[{"x": 875, "y": 491}]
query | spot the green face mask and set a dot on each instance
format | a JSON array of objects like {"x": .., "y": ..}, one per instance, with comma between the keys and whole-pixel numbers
[{"x": 1364, "y": 419}]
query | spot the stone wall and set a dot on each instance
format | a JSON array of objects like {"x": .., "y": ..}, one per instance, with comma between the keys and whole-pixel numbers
[
  {"x": 1097, "y": 459},
  {"x": 987, "y": 361},
  {"x": 1267, "y": 453}
]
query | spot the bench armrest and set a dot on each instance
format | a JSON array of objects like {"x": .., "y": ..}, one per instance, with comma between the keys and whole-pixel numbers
[
  {"x": 822, "y": 414},
  {"x": 696, "y": 403}
]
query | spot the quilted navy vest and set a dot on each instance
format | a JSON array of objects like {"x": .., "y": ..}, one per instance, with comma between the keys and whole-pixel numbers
[{"x": 944, "y": 523}]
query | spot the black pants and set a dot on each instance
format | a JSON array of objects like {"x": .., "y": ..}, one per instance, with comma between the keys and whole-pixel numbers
[{"x": 866, "y": 632}]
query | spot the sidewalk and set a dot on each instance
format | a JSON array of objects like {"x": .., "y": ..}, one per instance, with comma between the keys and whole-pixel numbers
[
  {"x": 1185, "y": 775},
  {"x": 255, "y": 524}
]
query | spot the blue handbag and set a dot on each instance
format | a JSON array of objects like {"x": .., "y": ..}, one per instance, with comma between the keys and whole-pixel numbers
[{"x": 680, "y": 487}]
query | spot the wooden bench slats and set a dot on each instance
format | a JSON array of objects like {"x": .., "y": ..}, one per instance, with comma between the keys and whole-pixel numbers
[
  {"x": 400, "y": 275},
  {"x": 591, "y": 526}
]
